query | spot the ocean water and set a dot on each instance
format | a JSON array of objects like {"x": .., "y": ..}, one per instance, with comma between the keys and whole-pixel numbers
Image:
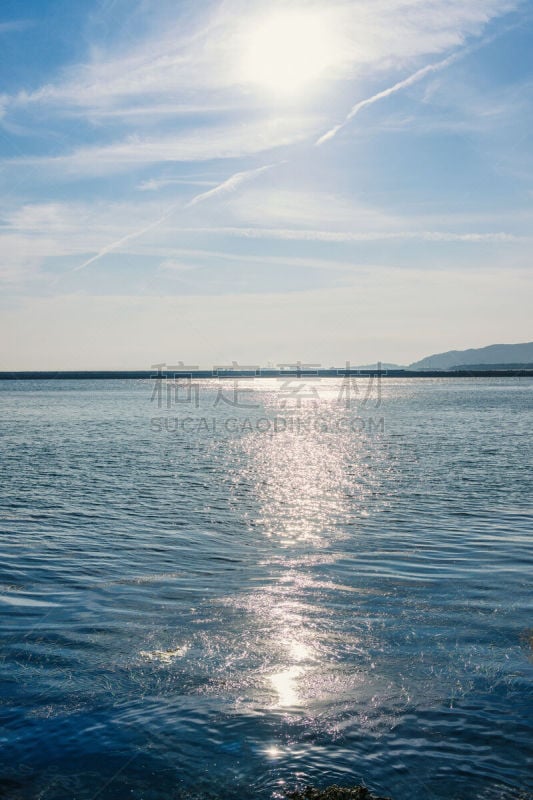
[{"x": 329, "y": 585}]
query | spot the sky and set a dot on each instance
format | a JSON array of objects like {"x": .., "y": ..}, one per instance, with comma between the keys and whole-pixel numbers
[{"x": 258, "y": 182}]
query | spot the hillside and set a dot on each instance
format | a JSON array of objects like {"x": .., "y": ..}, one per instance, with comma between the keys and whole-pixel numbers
[{"x": 500, "y": 354}]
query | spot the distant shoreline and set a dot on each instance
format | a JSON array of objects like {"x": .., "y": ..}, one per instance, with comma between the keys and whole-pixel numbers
[{"x": 259, "y": 373}]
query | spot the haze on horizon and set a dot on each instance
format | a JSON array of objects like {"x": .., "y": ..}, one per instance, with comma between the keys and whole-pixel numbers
[{"x": 218, "y": 181}]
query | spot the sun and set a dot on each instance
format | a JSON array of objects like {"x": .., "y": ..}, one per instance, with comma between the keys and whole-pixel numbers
[{"x": 288, "y": 51}]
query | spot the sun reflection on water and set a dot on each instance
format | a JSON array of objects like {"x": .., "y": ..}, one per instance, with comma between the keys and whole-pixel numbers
[
  {"x": 299, "y": 651},
  {"x": 284, "y": 683},
  {"x": 307, "y": 484},
  {"x": 308, "y": 491},
  {"x": 273, "y": 752}
]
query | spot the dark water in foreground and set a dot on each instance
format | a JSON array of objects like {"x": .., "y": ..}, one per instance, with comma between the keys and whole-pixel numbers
[{"x": 237, "y": 611}]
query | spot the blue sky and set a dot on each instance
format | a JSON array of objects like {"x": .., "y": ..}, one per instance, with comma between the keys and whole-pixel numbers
[{"x": 218, "y": 181}]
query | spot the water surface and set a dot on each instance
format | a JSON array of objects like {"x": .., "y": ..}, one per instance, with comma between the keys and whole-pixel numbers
[{"x": 232, "y": 601}]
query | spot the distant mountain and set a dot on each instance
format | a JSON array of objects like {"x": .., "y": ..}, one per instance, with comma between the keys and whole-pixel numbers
[{"x": 500, "y": 354}]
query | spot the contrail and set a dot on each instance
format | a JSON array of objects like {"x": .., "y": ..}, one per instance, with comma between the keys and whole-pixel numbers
[
  {"x": 229, "y": 185},
  {"x": 127, "y": 238},
  {"x": 414, "y": 78}
]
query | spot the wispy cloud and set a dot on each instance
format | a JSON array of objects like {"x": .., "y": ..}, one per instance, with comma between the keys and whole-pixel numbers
[
  {"x": 15, "y": 25},
  {"x": 303, "y": 235},
  {"x": 154, "y": 184},
  {"x": 361, "y": 238},
  {"x": 151, "y": 112},
  {"x": 129, "y": 237},
  {"x": 225, "y": 187},
  {"x": 195, "y": 54},
  {"x": 33, "y": 236},
  {"x": 227, "y": 141},
  {"x": 282, "y": 206}
]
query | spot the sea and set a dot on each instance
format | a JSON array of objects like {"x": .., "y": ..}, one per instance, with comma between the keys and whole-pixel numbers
[{"x": 239, "y": 588}]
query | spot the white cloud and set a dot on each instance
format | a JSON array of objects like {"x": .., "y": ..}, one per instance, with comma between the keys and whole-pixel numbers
[
  {"x": 180, "y": 87},
  {"x": 55, "y": 217},
  {"x": 33, "y": 235},
  {"x": 172, "y": 265},
  {"x": 280, "y": 207},
  {"x": 80, "y": 218},
  {"x": 154, "y": 184},
  {"x": 15, "y": 25},
  {"x": 191, "y": 62},
  {"x": 200, "y": 56},
  {"x": 275, "y": 212},
  {"x": 224, "y": 141},
  {"x": 308, "y": 235}
]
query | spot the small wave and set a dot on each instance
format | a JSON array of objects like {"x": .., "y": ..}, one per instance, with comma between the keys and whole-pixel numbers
[{"x": 165, "y": 656}]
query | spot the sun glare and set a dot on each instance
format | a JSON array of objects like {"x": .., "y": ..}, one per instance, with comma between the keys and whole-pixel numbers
[{"x": 287, "y": 51}]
